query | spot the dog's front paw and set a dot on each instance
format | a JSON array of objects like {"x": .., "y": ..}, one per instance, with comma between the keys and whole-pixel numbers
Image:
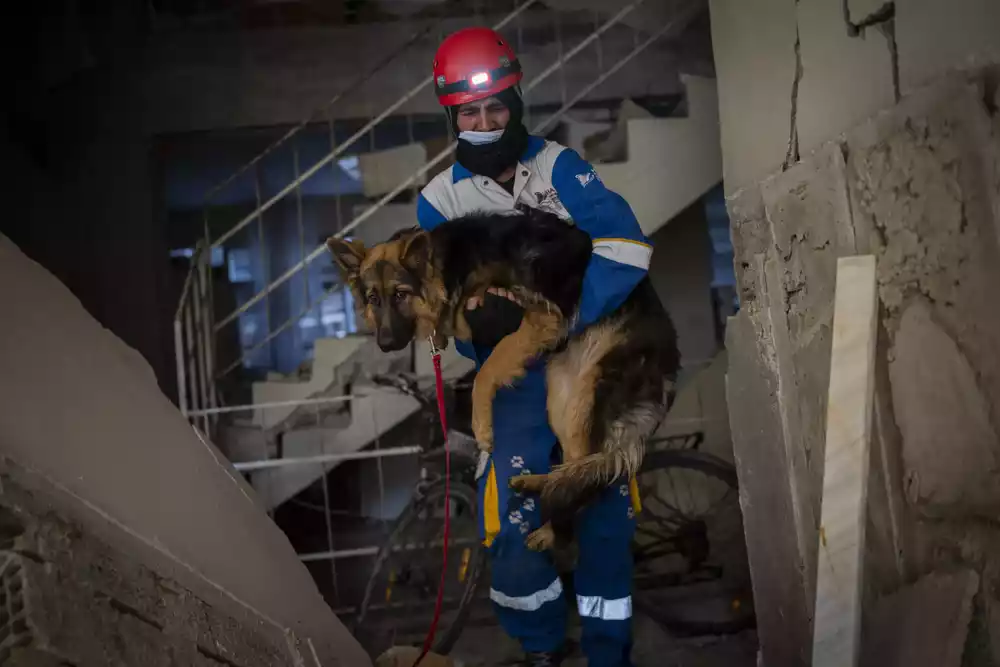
[
  {"x": 483, "y": 430},
  {"x": 542, "y": 539}
]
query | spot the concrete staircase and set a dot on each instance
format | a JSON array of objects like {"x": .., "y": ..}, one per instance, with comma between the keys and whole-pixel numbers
[
  {"x": 671, "y": 161},
  {"x": 372, "y": 412}
]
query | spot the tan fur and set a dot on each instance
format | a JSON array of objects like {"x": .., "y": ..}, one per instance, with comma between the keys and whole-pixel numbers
[
  {"x": 539, "y": 331},
  {"x": 571, "y": 377},
  {"x": 357, "y": 265},
  {"x": 542, "y": 326},
  {"x": 541, "y": 539}
]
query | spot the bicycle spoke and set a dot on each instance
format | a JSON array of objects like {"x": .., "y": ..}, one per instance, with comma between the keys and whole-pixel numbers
[{"x": 684, "y": 517}]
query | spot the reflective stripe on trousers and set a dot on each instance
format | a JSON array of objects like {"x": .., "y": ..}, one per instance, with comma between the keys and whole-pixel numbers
[
  {"x": 592, "y": 606},
  {"x": 531, "y": 602}
]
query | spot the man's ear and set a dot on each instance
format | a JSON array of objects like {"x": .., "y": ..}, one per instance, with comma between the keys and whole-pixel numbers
[
  {"x": 416, "y": 253},
  {"x": 348, "y": 256}
]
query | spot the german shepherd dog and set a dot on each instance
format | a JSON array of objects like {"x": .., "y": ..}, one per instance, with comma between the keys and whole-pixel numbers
[{"x": 609, "y": 386}]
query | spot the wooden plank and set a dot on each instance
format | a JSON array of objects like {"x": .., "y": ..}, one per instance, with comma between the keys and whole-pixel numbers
[{"x": 837, "y": 621}]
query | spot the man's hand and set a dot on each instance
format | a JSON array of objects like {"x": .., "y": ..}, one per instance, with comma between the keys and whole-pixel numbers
[{"x": 493, "y": 317}]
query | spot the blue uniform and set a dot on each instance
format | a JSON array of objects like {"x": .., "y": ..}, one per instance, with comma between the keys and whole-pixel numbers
[{"x": 525, "y": 589}]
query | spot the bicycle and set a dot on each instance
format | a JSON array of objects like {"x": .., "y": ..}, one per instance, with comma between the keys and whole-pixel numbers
[
  {"x": 672, "y": 548},
  {"x": 414, "y": 564}
]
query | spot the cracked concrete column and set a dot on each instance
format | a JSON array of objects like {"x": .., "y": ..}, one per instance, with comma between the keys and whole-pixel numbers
[{"x": 914, "y": 180}]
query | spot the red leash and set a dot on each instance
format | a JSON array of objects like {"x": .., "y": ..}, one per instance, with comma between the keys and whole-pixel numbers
[{"x": 439, "y": 387}]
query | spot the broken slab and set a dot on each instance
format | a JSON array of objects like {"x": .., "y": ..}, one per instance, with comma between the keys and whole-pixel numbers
[
  {"x": 75, "y": 596},
  {"x": 84, "y": 412},
  {"x": 922, "y": 625},
  {"x": 751, "y": 235},
  {"x": 776, "y": 565},
  {"x": 919, "y": 178},
  {"x": 949, "y": 450},
  {"x": 809, "y": 212}
]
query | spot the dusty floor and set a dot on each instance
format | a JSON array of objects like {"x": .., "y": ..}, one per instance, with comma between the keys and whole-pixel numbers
[{"x": 488, "y": 646}]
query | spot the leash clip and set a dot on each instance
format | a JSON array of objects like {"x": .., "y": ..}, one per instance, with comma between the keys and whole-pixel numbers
[{"x": 435, "y": 352}]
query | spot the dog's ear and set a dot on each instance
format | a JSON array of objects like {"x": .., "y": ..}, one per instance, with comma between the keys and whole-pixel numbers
[
  {"x": 348, "y": 256},
  {"x": 416, "y": 253}
]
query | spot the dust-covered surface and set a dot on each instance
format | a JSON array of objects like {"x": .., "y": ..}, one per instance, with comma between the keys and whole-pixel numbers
[
  {"x": 83, "y": 410},
  {"x": 925, "y": 624},
  {"x": 72, "y": 599},
  {"x": 940, "y": 479},
  {"x": 922, "y": 194},
  {"x": 917, "y": 186}
]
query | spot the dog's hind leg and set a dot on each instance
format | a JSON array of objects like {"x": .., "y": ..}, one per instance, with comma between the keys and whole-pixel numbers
[
  {"x": 570, "y": 406},
  {"x": 540, "y": 330},
  {"x": 570, "y": 401}
]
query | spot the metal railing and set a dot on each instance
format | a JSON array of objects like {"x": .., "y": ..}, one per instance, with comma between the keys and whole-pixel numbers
[
  {"x": 193, "y": 334},
  {"x": 266, "y": 456}
]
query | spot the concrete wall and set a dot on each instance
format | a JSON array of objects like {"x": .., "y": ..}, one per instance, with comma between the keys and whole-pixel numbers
[
  {"x": 872, "y": 163},
  {"x": 791, "y": 77},
  {"x": 82, "y": 410}
]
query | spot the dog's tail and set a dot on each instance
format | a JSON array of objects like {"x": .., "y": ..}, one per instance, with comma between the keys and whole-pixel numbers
[{"x": 572, "y": 485}]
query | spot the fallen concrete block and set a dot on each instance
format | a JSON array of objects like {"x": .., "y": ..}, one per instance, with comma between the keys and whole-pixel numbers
[{"x": 922, "y": 625}]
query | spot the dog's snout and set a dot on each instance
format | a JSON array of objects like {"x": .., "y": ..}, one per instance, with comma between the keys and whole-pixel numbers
[{"x": 385, "y": 338}]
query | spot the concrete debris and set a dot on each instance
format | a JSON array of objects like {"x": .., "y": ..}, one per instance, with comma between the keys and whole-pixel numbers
[
  {"x": 949, "y": 444},
  {"x": 922, "y": 625}
]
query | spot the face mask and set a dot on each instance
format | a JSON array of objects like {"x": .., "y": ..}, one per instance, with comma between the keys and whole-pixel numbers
[
  {"x": 481, "y": 138},
  {"x": 493, "y": 157}
]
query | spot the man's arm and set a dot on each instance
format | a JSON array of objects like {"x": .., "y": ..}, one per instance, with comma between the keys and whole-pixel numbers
[
  {"x": 621, "y": 251},
  {"x": 428, "y": 218}
]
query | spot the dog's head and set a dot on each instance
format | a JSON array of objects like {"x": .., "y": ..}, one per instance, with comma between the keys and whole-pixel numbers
[{"x": 394, "y": 284}]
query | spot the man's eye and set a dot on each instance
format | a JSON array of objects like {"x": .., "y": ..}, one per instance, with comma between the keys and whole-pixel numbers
[{"x": 373, "y": 299}]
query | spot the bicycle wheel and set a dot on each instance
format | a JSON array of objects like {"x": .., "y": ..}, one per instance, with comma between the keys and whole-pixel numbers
[
  {"x": 398, "y": 603},
  {"x": 691, "y": 567}
]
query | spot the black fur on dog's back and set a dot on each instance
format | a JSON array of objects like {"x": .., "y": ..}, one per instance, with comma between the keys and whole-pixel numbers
[{"x": 531, "y": 249}]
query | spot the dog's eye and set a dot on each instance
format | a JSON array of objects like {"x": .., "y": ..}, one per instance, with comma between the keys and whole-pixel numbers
[
  {"x": 401, "y": 296},
  {"x": 373, "y": 299}
]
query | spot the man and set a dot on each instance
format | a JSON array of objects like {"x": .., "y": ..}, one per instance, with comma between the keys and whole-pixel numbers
[{"x": 501, "y": 167}]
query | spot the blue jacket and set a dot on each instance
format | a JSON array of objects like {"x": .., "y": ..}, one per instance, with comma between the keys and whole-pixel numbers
[{"x": 553, "y": 178}]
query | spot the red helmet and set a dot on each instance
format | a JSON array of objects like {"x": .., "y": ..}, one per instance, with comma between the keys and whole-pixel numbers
[{"x": 473, "y": 64}]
